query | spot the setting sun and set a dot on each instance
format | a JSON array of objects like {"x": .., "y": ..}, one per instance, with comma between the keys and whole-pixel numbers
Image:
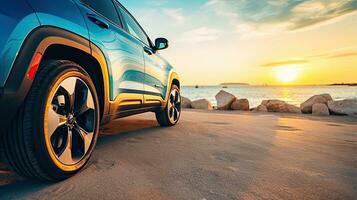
[{"x": 287, "y": 75}]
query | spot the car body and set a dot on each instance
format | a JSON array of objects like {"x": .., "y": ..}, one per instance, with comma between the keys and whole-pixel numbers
[{"x": 128, "y": 73}]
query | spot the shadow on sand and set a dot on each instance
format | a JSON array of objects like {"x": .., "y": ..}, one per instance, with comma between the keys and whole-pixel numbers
[{"x": 14, "y": 186}]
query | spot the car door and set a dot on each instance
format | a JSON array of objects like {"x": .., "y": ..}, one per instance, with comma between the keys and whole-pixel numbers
[
  {"x": 124, "y": 54},
  {"x": 156, "y": 77},
  {"x": 155, "y": 67}
]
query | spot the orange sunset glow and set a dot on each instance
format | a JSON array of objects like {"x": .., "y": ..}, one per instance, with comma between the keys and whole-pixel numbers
[
  {"x": 265, "y": 43},
  {"x": 178, "y": 99}
]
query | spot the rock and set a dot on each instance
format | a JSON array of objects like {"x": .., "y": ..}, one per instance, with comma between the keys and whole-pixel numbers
[
  {"x": 185, "y": 102},
  {"x": 240, "y": 104},
  {"x": 264, "y": 102},
  {"x": 306, "y": 107},
  {"x": 224, "y": 100},
  {"x": 280, "y": 106},
  {"x": 320, "y": 109},
  {"x": 262, "y": 108},
  {"x": 202, "y": 104},
  {"x": 344, "y": 107}
]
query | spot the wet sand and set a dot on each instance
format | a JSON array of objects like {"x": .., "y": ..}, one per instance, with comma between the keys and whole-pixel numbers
[{"x": 211, "y": 155}]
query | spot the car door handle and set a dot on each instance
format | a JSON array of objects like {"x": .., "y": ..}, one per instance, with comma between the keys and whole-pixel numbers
[
  {"x": 159, "y": 86},
  {"x": 98, "y": 21},
  {"x": 148, "y": 50}
]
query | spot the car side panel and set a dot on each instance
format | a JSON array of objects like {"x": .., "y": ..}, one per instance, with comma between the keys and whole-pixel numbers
[
  {"x": 156, "y": 77},
  {"x": 124, "y": 56},
  {"x": 17, "y": 20},
  {"x": 63, "y": 14}
]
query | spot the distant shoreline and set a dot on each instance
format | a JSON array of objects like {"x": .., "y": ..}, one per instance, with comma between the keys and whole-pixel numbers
[
  {"x": 343, "y": 84},
  {"x": 246, "y": 84},
  {"x": 233, "y": 84}
]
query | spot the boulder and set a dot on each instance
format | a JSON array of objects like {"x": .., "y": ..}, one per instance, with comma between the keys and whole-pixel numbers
[
  {"x": 240, "y": 104},
  {"x": 262, "y": 108},
  {"x": 185, "y": 102},
  {"x": 264, "y": 102},
  {"x": 320, "y": 109},
  {"x": 306, "y": 107},
  {"x": 202, "y": 104},
  {"x": 224, "y": 100},
  {"x": 280, "y": 106},
  {"x": 344, "y": 107}
]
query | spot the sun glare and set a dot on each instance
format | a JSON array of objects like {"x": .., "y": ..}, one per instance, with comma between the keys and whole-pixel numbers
[{"x": 287, "y": 74}]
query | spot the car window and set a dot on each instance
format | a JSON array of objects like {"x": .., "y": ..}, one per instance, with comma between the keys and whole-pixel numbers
[
  {"x": 106, "y": 8},
  {"x": 133, "y": 27}
]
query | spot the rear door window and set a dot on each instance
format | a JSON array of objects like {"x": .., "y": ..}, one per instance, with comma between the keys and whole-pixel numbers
[
  {"x": 105, "y": 8},
  {"x": 132, "y": 26}
]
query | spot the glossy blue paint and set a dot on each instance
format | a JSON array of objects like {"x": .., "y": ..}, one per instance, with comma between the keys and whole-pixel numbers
[
  {"x": 64, "y": 14},
  {"x": 124, "y": 54},
  {"x": 129, "y": 67},
  {"x": 156, "y": 74},
  {"x": 17, "y": 20}
]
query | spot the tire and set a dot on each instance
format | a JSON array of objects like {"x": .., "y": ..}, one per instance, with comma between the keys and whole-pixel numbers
[
  {"x": 61, "y": 108},
  {"x": 172, "y": 112}
]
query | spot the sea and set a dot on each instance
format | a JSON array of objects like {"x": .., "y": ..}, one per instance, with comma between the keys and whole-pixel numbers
[{"x": 256, "y": 94}]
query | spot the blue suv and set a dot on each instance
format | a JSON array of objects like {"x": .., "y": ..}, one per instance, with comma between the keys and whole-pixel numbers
[{"x": 66, "y": 67}]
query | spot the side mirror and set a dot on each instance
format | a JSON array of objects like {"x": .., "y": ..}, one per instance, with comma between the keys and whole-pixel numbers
[{"x": 161, "y": 43}]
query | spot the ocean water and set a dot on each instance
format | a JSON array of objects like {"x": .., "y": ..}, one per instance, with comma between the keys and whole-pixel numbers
[{"x": 256, "y": 94}]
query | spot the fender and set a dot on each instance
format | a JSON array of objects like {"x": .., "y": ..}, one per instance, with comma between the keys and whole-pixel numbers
[
  {"x": 18, "y": 84},
  {"x": 99, "y": 56},
  {"x": 173, "y": 75}
]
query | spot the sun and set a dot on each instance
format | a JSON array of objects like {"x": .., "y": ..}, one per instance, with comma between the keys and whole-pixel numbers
[{"x": 287, "y": 74}]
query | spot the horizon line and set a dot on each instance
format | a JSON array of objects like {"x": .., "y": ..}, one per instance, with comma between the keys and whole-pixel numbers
[{"x": 247, "y": 84}]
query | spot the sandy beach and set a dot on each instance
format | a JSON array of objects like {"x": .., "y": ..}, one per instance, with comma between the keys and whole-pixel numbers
[{"x": 212, "y": 155}]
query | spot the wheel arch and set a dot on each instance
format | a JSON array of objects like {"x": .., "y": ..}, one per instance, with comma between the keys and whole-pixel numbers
[
  {"x": 176, "y": 82},
  {"x": 173, "y": 79},
  {"x": 85, "y": 60},
  {"x": 53, "y": 42}
]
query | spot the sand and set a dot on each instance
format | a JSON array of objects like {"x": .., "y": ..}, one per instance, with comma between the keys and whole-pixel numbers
[{"x": 212, "y": 155}]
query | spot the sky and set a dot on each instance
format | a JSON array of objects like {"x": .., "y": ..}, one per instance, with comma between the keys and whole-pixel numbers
[{"x": 273, "y": 42}]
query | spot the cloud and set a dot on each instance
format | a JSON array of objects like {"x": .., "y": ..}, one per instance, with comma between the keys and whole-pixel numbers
[
  {"x": 350, "y": 51},
  {"x": 339, "y": 53},
  {"x": 175, "y": 14},
  {"x": 285, "y": 63},
  {"x": 346, "y": 54},
  {"x": 285, "y": 14},
  {"x": 202, "y": 34}
]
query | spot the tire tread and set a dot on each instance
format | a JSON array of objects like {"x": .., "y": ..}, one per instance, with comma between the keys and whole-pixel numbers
[{"x": 18, "y": 141}]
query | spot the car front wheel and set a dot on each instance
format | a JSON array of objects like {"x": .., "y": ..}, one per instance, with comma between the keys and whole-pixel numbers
[{"x": 172, "y": 112}]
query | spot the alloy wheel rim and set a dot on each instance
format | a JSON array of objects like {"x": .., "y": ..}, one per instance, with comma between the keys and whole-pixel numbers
[
  {"x": 174, "y": 106},
  {"x": 71, "y": 120}
]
